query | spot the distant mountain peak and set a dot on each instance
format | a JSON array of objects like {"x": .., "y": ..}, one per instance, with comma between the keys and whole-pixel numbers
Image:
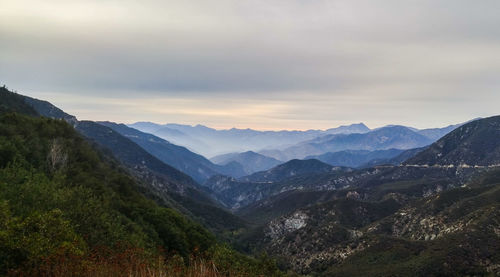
[
  {"x": 352, "y": 128},
  {"x": 360, "y": 124}
]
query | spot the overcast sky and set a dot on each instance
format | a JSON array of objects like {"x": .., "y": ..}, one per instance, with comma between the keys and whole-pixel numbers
[{"x": 263, "y": 64}]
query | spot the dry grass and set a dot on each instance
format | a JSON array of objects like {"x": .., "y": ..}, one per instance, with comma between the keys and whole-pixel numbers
[{"x": 131, "y": 262}]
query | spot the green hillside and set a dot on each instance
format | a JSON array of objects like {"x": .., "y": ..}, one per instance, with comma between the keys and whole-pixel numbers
[
  {"x": 66, "y": 206},
  {"x": 51, "y": 178}
]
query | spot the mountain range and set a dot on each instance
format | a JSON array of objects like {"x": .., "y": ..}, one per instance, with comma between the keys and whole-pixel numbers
[
  {"x": 421, "y": 217},
  {"x": 289, "y": 169},
  {"x": 357, "y": 158},
  {"x": 287, "y": 145},
  {"x": 393, "y": 137},
  {"x": 179, "y": 157},
  {"x": 211, "y": 142},
  {"x": 235, "y": 193},
  {"x": 392, "y": 201},
  {"x": 250, "y": 161}
]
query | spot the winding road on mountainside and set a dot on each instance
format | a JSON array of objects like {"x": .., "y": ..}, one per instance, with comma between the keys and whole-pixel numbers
[{"x": 438, "y": 166}]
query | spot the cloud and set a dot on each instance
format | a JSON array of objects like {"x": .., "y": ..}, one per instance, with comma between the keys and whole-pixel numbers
[{"x": 306, "y": 56}]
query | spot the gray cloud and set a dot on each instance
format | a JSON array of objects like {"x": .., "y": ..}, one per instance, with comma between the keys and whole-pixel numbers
[{"x": 310, "y": 63}]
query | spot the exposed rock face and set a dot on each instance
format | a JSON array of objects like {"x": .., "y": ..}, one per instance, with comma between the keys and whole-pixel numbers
[
  {"x": 319, "y": 236},
  {"x": 308, "y": 248},
  {"x": 326, "y": 235},
  {"x": 420, "y": 227},
  {"x": 353, "y": 195},
  {"x": 283, "y": 226},
  {"x": 417, "y": 223}
]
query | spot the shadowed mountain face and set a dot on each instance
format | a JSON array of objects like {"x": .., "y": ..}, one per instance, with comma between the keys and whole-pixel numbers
[
  {"x": 236, "y": 193},
  {"x": 13, "y": 102},
  {"x": 46, "y": 109},
  {"x": 437, "y": 133},
  {"x": 132, "y": 154},
  {"x": 396, "y": 160},
  {"x": 194, "y": 165},
  {"x": 356, "y": 158},
  {"x": 475, "y": 143},
  {"x": 289, "y": 169},
  {"x": 211, "y": 142},
  {"x": 250, "y": 161}
]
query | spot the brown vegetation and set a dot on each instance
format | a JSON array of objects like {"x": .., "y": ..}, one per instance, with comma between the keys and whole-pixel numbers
[{"x": 133, "y": 262}]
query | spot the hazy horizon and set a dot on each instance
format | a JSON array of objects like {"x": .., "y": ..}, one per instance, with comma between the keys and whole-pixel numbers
[
  {"x": 266, "y": 65},
  {"x": 93, "y": 117}
]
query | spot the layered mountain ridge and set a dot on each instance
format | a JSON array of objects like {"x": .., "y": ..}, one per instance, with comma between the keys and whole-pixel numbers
[
  {"x": 250, "y": 161},
  {"x": 212, "y": 142},
  {"x": 174, "y": 187},
  {"x": 393, "y": 201},
  {"x": 417, "y": 218}
]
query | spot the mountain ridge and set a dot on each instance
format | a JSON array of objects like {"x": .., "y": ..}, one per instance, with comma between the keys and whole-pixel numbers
[
  {"x": 471, "y": 144},
  {"x": 194, "y": 165},
  {"x": 402, "y": 220},
  {"x": 398, "y": 137},
  {"x": 289, "y": 169},
  {"x": 356, "y": 158},
  {"x": 252, "y": 162},
  {"x": 175, "y": 188},
  {"x": 212, "y": 142}
]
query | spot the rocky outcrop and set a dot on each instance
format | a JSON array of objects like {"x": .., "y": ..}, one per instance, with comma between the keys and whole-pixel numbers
[{"x": 282, "y": 226}]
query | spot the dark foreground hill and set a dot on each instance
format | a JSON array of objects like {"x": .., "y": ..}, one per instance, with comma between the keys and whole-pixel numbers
[{"x": 58, "y": 193}]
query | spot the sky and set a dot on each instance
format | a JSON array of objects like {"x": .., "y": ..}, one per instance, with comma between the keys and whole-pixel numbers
[{"x": 261, "y": 64}]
